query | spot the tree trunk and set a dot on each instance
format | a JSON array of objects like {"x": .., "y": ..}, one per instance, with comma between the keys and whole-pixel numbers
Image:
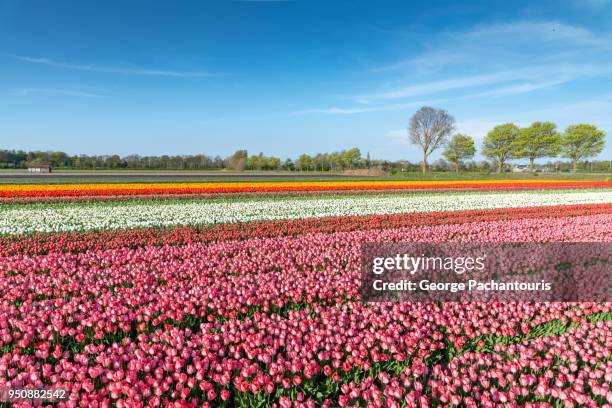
[
  {"x": 457, "y": 167},
  {"x": 500, "y": 167},
  {"x": 574, "y": 165},
  {"x": 424, "y": 164},
  {"x": 532, "y": 164}
]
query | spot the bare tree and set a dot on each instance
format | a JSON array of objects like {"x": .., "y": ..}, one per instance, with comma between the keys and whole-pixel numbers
[{"x": 430, "y": 128}]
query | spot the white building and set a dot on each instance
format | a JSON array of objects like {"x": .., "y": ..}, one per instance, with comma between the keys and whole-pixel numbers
[{"x": 39, "y": 168}]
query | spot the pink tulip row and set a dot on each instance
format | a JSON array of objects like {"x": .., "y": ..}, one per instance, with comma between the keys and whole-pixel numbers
[
  {"x": 267, "y": 357},
  {"x": 574, "y": 369},
  {"x": 570, "y": 370},
  {"x": 274, "y": 319},
  {"x": 107, "y": 290},
  {"x": 171, "y": 366}
]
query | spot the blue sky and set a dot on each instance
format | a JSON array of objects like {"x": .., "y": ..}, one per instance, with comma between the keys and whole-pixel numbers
[{"x": 286, "y": 77}]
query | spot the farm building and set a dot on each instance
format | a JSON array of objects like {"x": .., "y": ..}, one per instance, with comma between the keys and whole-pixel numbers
[{"x": 39, "y": 168}]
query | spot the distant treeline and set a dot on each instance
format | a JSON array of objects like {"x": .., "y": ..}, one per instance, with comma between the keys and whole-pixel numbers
[{"x": 241, "y": 160}]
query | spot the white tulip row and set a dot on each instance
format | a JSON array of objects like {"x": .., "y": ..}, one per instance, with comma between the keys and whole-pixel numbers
[{"x": 79, "y": 217}]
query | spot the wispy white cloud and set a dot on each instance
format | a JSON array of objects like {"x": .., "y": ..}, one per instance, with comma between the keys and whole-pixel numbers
[
  {"x": 520, "y": 88},
  {"x": 363, "y": 109},
  {"x": 512, "y": 83},
  {"x": 559, "y": 73},
  {"x": 423, "y": 64},
  {"x": 58, "y": 91},
  {"x": 118, "y": 70},
  {"x": 506, "y": 42},
  {"x": 534, "y": 32},
  {"x": 446, "y": 85}
]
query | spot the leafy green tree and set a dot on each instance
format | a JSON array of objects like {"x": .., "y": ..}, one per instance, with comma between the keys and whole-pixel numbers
[
  {"x": 351, "y": 157},
  {"x": 237, "y": 161},
  {"x": 304, "y": 162},
  {"x": 541, "y": 139},
  {"x": 581, "y": 141},
  {"x": 459, "y": 148},
  {"x": 289, "y": 165},
  {"x": 499, "y": 144},
  {"x": 273, "y": 163}
]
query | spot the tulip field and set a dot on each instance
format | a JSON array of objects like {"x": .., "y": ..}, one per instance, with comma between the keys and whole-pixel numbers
[{"x": 247, "y": 294}]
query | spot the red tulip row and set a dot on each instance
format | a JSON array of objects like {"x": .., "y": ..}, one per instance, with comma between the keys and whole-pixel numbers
[
  {"x": 68, "y": 190},
  {"x": 42, "y": 243}
]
